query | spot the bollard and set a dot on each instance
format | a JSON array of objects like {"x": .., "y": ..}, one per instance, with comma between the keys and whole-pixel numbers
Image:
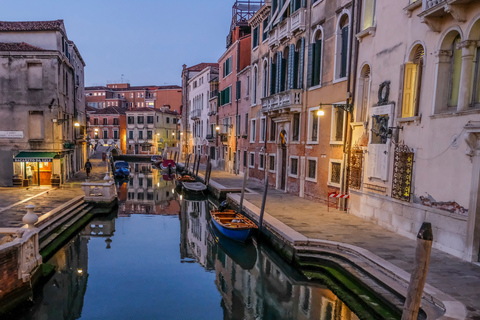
[
  {"x": 419, "y": 274},
  {"x": 30, "y": 218}
]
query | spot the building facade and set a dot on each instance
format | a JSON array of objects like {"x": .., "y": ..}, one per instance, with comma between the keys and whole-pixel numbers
[
  {"x": 107, "y": 126},
  {"x": 415, "y": 136},
  {"x": 126, "y": 96},
  {"x": 42, "y": 104}
]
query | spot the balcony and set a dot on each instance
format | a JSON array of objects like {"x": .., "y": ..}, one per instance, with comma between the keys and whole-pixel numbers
[
  {"x": 273, "y": 38},
  {"x": 210, "y": 137},
  {"x": 224, "y": 138},
  {"x": 212, "y": 113},
  {"x": 284, "y": 30},
  {"x": 434, "y": 10},
  {"x": 282, "y": 102},
  {"x": 297, "y": 21},
  {"x": 195, "y": 114}
]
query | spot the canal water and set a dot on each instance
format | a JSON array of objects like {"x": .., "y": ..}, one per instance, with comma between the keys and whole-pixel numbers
[{"x": 158, "y": 258}]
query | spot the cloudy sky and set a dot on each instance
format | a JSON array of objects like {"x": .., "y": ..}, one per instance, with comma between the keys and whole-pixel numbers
[{"x": 146, "y": 41}]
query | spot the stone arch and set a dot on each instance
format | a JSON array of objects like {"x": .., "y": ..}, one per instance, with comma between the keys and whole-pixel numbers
[
  {"x": 448, "y": 36},
  {"x": 473, "y": 30},
  {"x": 413, "y": 48}
]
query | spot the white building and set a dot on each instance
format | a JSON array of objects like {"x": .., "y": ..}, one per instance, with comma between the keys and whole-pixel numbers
[
  {"x": 199, "y": 95},
  {"x": 416, "y": 130}
]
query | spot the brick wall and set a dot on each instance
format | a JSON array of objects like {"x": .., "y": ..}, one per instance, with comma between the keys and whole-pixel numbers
[{"x": 9, "y": 271}]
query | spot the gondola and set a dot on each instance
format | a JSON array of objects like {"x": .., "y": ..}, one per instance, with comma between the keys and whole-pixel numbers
[
  {"x": 121, "y": 169},
  {"x": 233, "y": 224}
]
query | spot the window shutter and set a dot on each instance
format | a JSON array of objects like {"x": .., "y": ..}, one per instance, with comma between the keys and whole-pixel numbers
[
  {"x": 311, "y": 50},
  {"x": 283, "y": 75},
  {"x": 292, "y": 6},
  {"x": 291, "y": 66},
  {"x": 295, "y": 84},
  {"x": 304, "y": 3},
  {"x": 279, "y": 71},
  {"x": 344, "y": 52},
  {"x": 273, "y": 71},
  {"x": 301, "y": 52},
  {"x": 419, "y": 87},
  {"x": 317, "y": 62},
  {"x": 409, "y": 87}
]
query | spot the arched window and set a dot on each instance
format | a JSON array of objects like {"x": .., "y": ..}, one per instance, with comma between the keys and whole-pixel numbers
[
  {"x": 363, "y": 98},
  {"x": 265, "y": 79},
  {"x": 255, "y": 84},
  {"x": 455, "y": 72},
  {"x": 273, "y": 74},
  {"x": 298, "y": 65},
  {"x": 475, "y": 89},
  {"x": 368, "y": 14},
  {"x": 317, "y": 58},
  {"x": 341, "y": 56},
  {"x": 412, "y": 82}
]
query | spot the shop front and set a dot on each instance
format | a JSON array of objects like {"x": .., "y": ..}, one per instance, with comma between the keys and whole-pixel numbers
[{"x": 34, "y": 167}]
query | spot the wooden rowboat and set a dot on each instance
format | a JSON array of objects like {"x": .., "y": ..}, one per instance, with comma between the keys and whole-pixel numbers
[
  {"x": 186, "y": 178},
  {"x": 233, "y": 224}
]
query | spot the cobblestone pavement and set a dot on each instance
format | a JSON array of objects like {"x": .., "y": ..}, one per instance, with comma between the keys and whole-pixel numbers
[
  {"x": 456, "y": 277},
  {"x": 45, "y": 199}
]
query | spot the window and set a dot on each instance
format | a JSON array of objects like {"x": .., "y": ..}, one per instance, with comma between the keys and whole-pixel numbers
[
  {"x": 255, "y": 37},
  {"x": 130, "y": 134},
  {"x": 368, "y": 14},
  {"x": 296, "y": 127},
  {"x": 315, "y": 60},
  {"x": 363, "y": 94},
  {"x": 455, "y": 72},
  {"x": 411, "y": 84},
  {"x": 252, "y": 160},
  {"x": 226, "y": 96},
  {"x": 273, "y": 74},
  {"x": 338, "y": 117},
  {"x": 149, "y": 134},
  {"x": 335, "y": 173},
  {"x": 265, "y": 30},
  {"x": 261, "y": 164},
  {"x": 246, "y": 123},
  {"x": 140, "y": 134},
  {"x": 284, "y": 71},
  {"x": 263, "y": 129},
  {"x": 140, "y": 119},
  {"x": 95, "y": 121},
  {"x": 254, "y": 84},
  {"x": 245, "y": 158},
  {"x": 341, "y": 63},
  {"x": 174, "y": 120},
  {"x": 312, "y": 169},
  {"x": 227, "y": 67},
  {"x": 168, "y": 120},
  {"x": 36, "y": 125},
  {"x": 294, "y": 166},
  {"x": 149, "y": 119},
  {"x": 131, "y": 120},
  {"x": 265, "y": 79},
  {"x": 273, "y": 130},
  {"x": 296, "y": 4},
  {"x": 238, "y": 90},
  {"x": 105, "y": 121},
  {"x": 115, "y": 121},
  {"x": 248, "y": 86},
  {"x": 271, "y": 163},
  {"x": 105, "y": 134},
  {"x": 237, "y": 124},
  {"x": 253, "y": 129},
  {"x": 313, "y": 125},
  {"x": 115, "y": 134},
  {"x": 35, "y": 76}
]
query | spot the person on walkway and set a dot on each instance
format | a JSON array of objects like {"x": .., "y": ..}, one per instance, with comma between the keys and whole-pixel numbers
[{"x": 88, "y": 167}]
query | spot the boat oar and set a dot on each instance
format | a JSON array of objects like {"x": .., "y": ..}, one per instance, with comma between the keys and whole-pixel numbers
[
  {"x": 262, "y": 210},
  {"x": 243, "y": 190}
]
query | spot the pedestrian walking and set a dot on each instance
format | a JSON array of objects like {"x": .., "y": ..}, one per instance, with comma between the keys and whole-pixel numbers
[{"x": 88, "y": 167}]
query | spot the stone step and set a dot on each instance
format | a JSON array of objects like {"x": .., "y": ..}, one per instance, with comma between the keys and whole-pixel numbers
[{"x": 73, "y": 217}]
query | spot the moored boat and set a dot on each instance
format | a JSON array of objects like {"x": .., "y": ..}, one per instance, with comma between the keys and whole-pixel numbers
[
  {"x": 167, "y": 164},
  {"x": 194, "y": 187},
  {"x": 121, "y": 169},
  {"x": 233, "y": 224}
]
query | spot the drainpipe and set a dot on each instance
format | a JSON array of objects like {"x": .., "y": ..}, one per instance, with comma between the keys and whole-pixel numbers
[
  {"x": 236, "y": 170},
  {"x": 348, "y": 132}
]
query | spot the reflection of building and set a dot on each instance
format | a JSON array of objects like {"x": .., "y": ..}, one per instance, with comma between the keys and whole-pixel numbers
[
  {"x": 42, "y": 108},
  {"x": 195, "y": 237},
  {"x": 272, "y": 290},
  {"x": 147, "y": 192}
]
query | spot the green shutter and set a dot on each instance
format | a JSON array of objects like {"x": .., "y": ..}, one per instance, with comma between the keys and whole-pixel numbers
[
  {"x": 311, "y": 51},
  {"x": 300, "y": 63},
  {"x": 273, "y": 71},
  {"x": 317, "y": 62},
  {"x": 344, "y": 52}
]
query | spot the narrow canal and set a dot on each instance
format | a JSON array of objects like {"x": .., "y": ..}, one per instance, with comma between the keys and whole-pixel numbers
[{"x": 158, "y": 258}]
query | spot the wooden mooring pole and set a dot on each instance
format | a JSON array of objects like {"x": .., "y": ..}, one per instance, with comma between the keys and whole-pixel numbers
[
  {"x": 262, "y": 210},
  {"x": 419, "y": 274},
  {"x": 243, "y": 189},
  {"x": 187, "y": 162},
  {"x": 198, "y": 165},
  {"x": 208, "y": 170}
]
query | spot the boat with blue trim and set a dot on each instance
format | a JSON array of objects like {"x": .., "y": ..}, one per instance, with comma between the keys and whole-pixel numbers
[{"x": 233, "y": 224}]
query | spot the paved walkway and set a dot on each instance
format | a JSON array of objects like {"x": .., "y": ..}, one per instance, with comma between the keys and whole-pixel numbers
[
  {"x": 447, "y": 273},
  {"x": 45, "y": 198}
]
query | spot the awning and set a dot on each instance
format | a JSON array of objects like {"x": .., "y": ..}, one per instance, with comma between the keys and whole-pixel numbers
[
  {"x": 282, "y": 11},
  {"x": 26, "y": 156}
]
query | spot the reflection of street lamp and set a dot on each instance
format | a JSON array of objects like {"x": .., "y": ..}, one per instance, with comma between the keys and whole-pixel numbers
[
  {"x": 76, "y": 124},
  {"x": 217, "y": 128}
]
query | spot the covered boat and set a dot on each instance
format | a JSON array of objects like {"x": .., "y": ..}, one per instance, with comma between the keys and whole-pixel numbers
[
  {"x": 194, "y": 187},
  {"x": 156, "y": 159},
  {"x": 167, "y": 164},
  {"x": 121, "y": 169},
  {"x": 233, "y": 224}
]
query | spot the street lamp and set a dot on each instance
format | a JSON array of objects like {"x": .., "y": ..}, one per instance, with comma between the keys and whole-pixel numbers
[
  {"x": 217, "y": 128},
  {"x": 76, "y": 124},
  {"x": 320, "y": 111}
]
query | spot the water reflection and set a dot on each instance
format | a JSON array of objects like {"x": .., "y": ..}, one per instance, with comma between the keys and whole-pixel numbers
[
  {"x": 254, "y": 282},
  {"x": 136, "y": 269}
]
